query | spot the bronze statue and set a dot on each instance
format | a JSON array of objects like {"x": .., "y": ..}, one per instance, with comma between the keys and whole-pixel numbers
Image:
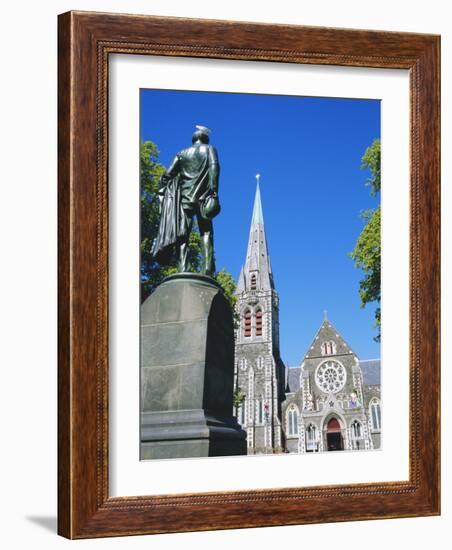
[{"x": 189, "y": 187}]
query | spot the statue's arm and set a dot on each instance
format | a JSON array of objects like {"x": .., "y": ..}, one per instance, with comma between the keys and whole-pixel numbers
[
  {"x": 168, "y": 174},
  {"x": 214, "y": 170},
  {"x": 173, "y": 168},
  {"x": 165, "y": 178}
]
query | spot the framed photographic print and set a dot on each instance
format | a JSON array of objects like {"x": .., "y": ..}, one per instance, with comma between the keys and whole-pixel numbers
[{"x": 248, "y": 275}]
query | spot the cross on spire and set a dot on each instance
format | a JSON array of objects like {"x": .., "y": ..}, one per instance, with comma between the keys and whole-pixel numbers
[{"x": 325, "y": 315}]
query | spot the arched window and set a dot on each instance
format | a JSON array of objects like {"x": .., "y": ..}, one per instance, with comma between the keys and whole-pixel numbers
[
  {"x": 311, "y": 438},
  {"x": 292, "y": 421},
  {"x": 259, "y": 322},
  {"x": 253, "y": 281},
  {"x": 247, "y": 323},
  {"x": 356, "y": 434},
  {"x": 356, "y": 430},
  {"x": 328, "y": 348},
  {"x": 375, "y": 414}
]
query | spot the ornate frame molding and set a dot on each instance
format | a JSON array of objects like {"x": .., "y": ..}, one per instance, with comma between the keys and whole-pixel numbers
[{"x": 85, "y": 42}]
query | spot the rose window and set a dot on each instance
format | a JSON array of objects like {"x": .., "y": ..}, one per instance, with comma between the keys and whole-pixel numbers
[{"x": 330, "y": 376}]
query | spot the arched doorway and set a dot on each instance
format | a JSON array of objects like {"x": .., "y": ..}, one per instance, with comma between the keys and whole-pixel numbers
[{"x": 334, "y": 440}]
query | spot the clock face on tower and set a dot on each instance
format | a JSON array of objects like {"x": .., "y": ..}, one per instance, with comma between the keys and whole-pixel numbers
[{"x": 330, "y": 376}]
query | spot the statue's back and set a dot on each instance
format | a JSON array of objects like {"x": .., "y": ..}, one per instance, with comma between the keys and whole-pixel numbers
[{"x": 194, "y": 157}]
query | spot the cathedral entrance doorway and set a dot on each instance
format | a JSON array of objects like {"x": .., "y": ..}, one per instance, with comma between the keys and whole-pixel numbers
[{"x": 334, "y": 438}]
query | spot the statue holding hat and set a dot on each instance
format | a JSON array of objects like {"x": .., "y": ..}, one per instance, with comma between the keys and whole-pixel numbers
[{"x": 189, "y": 188}]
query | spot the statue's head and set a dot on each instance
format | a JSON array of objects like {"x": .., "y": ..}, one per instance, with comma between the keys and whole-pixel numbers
[{"x": 201, "y": 134}]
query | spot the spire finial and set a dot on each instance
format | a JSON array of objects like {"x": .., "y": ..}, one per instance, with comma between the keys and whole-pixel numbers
[
  {"x": 325, "y": 315},
  {"x": 258, "y": 177}
]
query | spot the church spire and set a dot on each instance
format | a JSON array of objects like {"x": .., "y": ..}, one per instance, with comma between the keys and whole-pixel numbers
[
  {"x": 258, "y": 216},
  {"x": 259, "y": 370},
  {"x": 256, "y": 274}
]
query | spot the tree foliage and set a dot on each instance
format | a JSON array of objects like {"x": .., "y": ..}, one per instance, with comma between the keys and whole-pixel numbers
[
  {"x": 238, "y": 398},
  {"x": 372, "y": 160},
  {"x": 228, "y": 285},
  {"x": 367, "y": 251},
  {"x": 152, "y": 273}
]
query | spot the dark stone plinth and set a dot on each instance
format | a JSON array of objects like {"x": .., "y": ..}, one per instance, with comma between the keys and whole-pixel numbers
[
  {"x": 190, "y": 433},
  {"x": 187, "y": 370}
]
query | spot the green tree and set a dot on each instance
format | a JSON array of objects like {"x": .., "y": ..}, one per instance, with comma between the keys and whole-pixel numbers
[
  {"x": 152, "y": 273},
  {"x": 228, "y": 285},
  {"x": 372, "y": 160},
  {"x": 238, "y": 398},
  {"x": 367, "y": 251}
]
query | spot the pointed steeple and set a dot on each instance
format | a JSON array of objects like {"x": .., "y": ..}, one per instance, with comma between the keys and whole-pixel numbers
[
  {"x": 258, "y": 216},
  {"x": 256, "y": 274}
]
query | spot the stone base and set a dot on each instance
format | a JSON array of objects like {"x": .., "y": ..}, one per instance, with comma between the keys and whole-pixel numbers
[
  {"x": 182, "y": 434},
  {"x": 187, "y": 371}
]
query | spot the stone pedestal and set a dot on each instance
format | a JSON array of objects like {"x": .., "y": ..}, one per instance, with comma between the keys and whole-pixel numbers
[{"x": 187, "y": 371}]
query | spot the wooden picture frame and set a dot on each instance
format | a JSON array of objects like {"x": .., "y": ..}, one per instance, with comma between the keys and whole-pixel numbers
[{"x": 86, "y": 40}]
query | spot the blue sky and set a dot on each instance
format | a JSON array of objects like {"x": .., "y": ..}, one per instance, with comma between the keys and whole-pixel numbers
[{"x": 308, "y": 152}]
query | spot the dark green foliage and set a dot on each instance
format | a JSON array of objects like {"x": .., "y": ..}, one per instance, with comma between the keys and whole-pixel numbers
[
  {"x": 367, "y": 251},
  {"x": 238, "y": 398},
  {"x": 372, "y": 160},
  {"x": 228, "y": 285},
  {"x": 150, "y": 172},
  {"x": 152, "y": 273}
]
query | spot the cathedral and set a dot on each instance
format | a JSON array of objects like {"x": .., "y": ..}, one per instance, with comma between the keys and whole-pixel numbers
[{"x": 330, "y": 402}]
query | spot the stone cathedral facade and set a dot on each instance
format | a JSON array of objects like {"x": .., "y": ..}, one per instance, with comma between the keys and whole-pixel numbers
[{"x": 330, "y": 402}]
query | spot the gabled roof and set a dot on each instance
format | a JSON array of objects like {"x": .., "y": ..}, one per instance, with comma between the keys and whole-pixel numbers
[
  {"x": 293, "y": 379},
  {"x": 327, "y": 332},
  {"x": 371, "y": 369}
]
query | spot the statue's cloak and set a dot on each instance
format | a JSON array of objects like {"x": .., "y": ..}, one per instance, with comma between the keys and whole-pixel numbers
[{"x": 172, "y": 222}]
